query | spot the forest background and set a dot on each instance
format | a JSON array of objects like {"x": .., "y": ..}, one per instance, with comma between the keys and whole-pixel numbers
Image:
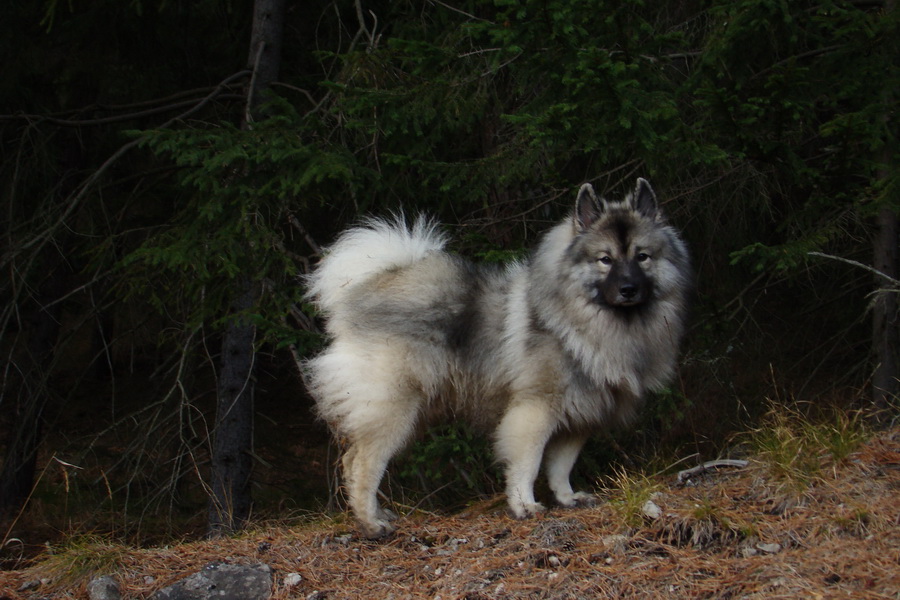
[{"x": 169, "y": 169}]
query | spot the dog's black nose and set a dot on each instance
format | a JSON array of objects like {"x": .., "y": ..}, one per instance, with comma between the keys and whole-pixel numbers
[{"x": 628, "y": 291}]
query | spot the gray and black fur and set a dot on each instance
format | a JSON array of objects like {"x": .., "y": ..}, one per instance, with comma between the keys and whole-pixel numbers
[{"x": 540, "y": 353}]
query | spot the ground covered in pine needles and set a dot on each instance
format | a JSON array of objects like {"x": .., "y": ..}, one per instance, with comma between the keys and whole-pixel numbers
[{"x": 767, "y": 530}]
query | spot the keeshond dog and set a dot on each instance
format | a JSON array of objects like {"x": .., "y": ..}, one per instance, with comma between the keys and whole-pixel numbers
[{"x": 540, "y": 353}]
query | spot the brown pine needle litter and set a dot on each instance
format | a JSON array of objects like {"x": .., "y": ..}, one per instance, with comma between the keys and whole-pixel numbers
[{"x": 726, "y": 533}]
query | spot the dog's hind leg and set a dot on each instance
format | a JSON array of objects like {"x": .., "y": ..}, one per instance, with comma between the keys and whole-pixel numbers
[
  {"x": 364, "y": 464},
  {"x": 562, "y": 452}
]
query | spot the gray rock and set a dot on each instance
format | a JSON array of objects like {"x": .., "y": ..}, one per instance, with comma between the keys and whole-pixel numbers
[
  {"x": 103, "y": 588},
  {"x": 220, "y": 581},
  {"x": 30, "y": 585},
  {"x": 651, "y": 510},
  {"x": 769, "y": 548}
]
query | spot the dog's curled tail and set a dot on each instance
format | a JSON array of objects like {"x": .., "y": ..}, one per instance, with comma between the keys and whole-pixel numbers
[{"x": 376, "y": 245}]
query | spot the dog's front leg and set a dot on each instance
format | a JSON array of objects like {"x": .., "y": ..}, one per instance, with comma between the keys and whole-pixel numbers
[
  {"x": 562, "y": 452},
  {"x": 521, "y": 436}
]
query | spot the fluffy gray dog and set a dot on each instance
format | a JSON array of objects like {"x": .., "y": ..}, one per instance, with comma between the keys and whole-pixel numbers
[{"x": 540, "y": 353}]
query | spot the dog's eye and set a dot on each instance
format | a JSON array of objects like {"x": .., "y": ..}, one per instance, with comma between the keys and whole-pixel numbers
[
  {"x": 605, "y": 260},
  {"x": 643, "y": 257}
]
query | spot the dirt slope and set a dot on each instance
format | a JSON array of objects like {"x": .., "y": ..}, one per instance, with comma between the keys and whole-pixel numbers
[{"x": 727, "y": 533}]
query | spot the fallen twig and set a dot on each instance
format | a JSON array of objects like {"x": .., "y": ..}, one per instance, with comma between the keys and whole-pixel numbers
[{"x": 709, "y": 465}]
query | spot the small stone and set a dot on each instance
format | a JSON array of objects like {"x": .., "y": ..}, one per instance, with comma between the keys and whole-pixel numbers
[
  {"x": 230, "y": 582},
  {"x": 292, "y": 579},
  {"x": 103, "y": 588},
  {"x": 651, "y": 510},
  {"x": 769, "y": 548},
  {"x": 617, "y": 544},
  {"x": 29, "y": 585}
]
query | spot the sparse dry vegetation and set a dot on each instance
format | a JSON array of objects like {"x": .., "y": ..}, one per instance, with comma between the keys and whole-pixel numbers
[
  {"x": 794, "y": 449},
  {"x": 726, "y": 533},
  {"x": 79, "y": 559}
]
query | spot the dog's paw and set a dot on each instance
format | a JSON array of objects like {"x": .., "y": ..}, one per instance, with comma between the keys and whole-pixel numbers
[
  {"x": 523, "y": 510},
  {"x": 577, "y": 499},
  {"x": 584, "y": 499},
  {"x": 379, "y": 528},
  {"x": 387, "y": 515}
]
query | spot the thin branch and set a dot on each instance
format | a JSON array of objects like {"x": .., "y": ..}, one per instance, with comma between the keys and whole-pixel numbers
[
  {"x": 287, "y": 86},
  {"x": 192, "y": 93},
  {"x": 809, "y": 54},
  {"x": 362, "y": 24},
  {"x": 306, "y": 322},
  {"x": 885, "y": 276},
  {"x": 85, "y": 286},
  {"x": 708, "y": 466},
  {"x": 302, "y": 231},
  {"x": 479, "y": 51},
  {"x": 251, "y": 89},
  {"x": 295, "y": 354},
  {"x": 108, "y": 120},
  {"x": 462, "y": 12}
]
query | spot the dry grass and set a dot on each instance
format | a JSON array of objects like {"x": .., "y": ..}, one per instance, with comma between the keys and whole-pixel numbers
[{"x": 725, "y": 534}]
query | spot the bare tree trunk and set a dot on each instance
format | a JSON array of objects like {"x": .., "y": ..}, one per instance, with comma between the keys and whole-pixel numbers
[
  {"x": 885, "y": 321},
  {"x": 885, "y": 324},
  {"x": 265, "y": 53},
  {"x": 232, "y": 463}
]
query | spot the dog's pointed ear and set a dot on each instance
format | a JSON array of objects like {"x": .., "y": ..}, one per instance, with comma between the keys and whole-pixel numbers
[
  {"x": 587, "y": 208},
  {"x": 644, "y": 199}
]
